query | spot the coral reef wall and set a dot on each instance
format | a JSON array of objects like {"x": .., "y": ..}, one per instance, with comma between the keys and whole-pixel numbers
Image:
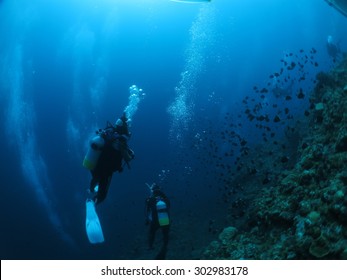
[{"x": 303, "y": 214}]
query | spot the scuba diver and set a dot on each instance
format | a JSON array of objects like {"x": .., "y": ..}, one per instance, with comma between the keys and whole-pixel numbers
[
  {"x": 106, "y": 155},
  {"x": 157, "y": 216}
]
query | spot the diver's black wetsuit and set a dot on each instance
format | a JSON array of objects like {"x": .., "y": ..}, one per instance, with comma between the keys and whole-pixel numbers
[
  {"x": 151, "y": 212},
  {"x": 110, "y": 161},
  {"x": 114, "y": 152}
]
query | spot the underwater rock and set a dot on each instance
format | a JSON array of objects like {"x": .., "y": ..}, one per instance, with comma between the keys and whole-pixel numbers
[
  {"x": 319, "y": 107},
  {"x": 343, "y": 177},
  {"x": 344, "y": 254},
  {"x": 291, "y": 179},
  {"x": 341, "y": 144},
  {"x": 312, "y": 156},
  {"x": 302, "y": 212},
  {"x": 227, "y": 235},
  {"x": 343, "y": 215},
  {"x": 313, "y": 217},
  {"x": 325, "y": 81},
  {"x": 306, "y": 177},
  {"x": 304, "y": 208},
  {"x": 212, "y": 251},
  {"x": 339, "y": 195},
  {"x": 320, "y": 247},
  {"x": 338, "y": 161}
]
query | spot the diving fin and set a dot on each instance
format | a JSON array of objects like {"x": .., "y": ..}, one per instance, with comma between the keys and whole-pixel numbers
[{"x": 93, "y": 227}]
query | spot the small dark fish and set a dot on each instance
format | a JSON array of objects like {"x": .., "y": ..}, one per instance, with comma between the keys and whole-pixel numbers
[
  {"x": 291, "y": 66},
  {"x": 243, "y": 142},
  {"x": 300, "y": 94},
  {"x": 264, "y": 90},
  {"x": 307, "y": 113},
  {"x": 284, "y": 159},
  {"x": 277, "y": 119},
  {"x": 261, "y": 118},
  {"x": 288, "y": 97},
  {"x": 286, "y": 110},
  {"x": 251, "y": 117}
]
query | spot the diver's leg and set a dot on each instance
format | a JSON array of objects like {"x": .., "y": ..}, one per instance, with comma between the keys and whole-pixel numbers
[
  {"x": 166, "y": 230},
  {"x": 104, "y": 185},
  {"x": 162, "y": 254},
  {"x": 93, "y": 182},
  {"x": 151, "y": 235}
]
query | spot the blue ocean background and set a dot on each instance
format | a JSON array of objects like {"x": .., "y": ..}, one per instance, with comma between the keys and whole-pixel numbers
[{"x": 65, "y": 70}]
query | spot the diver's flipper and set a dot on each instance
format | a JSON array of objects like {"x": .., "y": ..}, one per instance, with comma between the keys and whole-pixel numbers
[{"x": 93, "y": 227}]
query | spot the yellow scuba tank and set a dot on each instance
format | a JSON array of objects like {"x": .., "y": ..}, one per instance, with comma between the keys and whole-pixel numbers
[
  {"x": 163, "y": 216},
  {"x": 93, "y": 153}
]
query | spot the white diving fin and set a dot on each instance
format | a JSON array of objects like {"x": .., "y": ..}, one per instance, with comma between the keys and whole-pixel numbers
[{"x": 93, "y": 226}]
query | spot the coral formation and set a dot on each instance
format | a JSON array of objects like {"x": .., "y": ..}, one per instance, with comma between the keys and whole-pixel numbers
[{"x": 302, "y": 214}]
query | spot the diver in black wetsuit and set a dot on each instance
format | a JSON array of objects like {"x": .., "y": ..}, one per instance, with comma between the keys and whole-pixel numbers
[{"x": 113, "y": 153}]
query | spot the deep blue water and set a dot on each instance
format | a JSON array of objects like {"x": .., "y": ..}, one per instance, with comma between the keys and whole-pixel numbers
[{"x": 65, "y": 69}]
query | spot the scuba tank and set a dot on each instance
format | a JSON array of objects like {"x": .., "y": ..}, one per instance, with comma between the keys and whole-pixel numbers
[
  {"x": 93, "y": 153},
  {"x": 163, "y": 216}
]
